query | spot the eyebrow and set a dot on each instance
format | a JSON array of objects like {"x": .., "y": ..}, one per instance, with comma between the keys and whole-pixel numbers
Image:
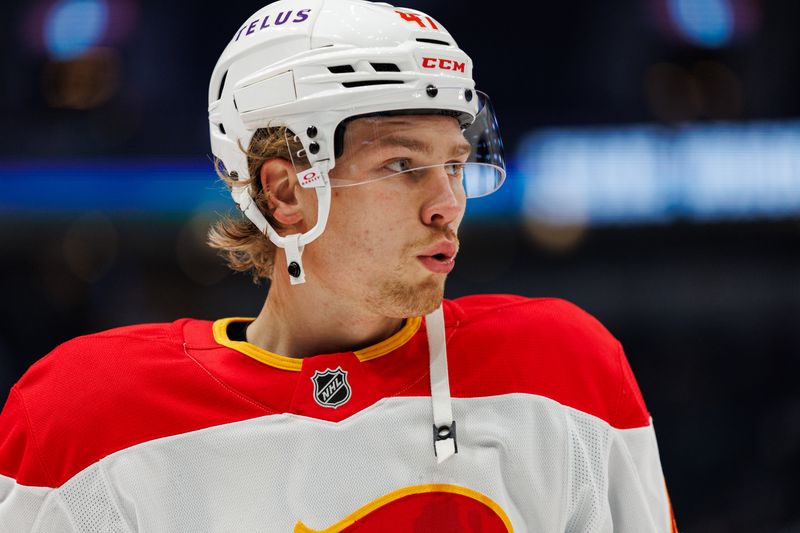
[{"x": 420, "y": 146}]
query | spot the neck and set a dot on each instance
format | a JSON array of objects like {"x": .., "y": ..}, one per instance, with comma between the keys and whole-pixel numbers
[{"x": 301, "y": 320}]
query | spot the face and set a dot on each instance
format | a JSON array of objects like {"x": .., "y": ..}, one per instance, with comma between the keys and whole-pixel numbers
[{"x": 391, "y": 234}]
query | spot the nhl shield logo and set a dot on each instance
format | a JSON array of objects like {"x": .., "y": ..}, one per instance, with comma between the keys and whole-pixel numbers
[{"x": 331, "y": 388}]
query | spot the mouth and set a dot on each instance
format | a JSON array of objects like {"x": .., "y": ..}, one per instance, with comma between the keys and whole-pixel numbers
[{"x": 439, "y": 259}]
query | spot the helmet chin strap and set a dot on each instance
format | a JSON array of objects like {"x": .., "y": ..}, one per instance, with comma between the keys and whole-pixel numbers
[
  {"x": 444, "y": 425},
  {"x": 294, "y": 261},
  {"x": 315, "y": 177}
]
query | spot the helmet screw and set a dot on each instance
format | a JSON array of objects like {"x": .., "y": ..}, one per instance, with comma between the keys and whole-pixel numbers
[
  {"x": 311, "y": 132},
  {"x": 432, "y": 91},
  {"x": 233, "y": 174},
  {"x": 468, "y": 95},
  {"x": 294, "y": 269},
  {"x": 313, "y": 147}
]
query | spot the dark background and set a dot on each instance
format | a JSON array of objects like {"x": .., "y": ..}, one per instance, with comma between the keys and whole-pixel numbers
[{"x": 708, "y": 311}]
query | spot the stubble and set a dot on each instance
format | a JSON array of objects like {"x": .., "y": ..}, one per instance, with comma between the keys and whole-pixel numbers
[{"x": 397, "y": 296}]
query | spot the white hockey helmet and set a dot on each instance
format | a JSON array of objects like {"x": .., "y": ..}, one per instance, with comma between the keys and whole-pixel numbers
[{"x": 309, "y": 65}]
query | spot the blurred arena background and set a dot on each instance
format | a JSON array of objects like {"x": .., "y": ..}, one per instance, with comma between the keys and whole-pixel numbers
[{"x": 654, "y": 152}]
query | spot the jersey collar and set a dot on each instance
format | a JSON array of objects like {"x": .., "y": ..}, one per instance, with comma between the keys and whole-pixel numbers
[{"x": 220, "y": 331}]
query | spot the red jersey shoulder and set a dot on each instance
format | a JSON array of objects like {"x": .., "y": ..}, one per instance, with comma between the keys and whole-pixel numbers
[
  {"x": 93, "y": 359},
  {"x": 122, "y": 387},
  {"x": 501, "y": 344}
]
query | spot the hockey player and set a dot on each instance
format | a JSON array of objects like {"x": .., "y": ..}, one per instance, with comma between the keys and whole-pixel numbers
[{"x": 351, "y": 135}]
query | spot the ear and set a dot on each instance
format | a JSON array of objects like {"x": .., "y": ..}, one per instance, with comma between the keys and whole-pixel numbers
[{"x": 279, "y": 182}]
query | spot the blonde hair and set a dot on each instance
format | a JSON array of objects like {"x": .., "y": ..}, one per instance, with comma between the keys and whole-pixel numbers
[{"x": 236, "y": 238}]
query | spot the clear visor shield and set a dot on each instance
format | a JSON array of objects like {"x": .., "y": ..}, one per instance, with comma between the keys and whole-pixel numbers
[{"x": 411, "y": 146}]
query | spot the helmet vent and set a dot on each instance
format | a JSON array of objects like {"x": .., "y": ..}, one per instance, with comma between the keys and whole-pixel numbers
[
  {"x": 350, "y": 84},
  {"x": 222, "y": 84},
  {"x": 385, "y": 67},
  {"x": 433, "y": 41},
  {"x": 222, "y": 129},
  {"x": 341, "y": 69}
]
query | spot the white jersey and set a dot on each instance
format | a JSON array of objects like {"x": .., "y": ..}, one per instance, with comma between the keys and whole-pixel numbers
[{"x": 180, "y": 428}]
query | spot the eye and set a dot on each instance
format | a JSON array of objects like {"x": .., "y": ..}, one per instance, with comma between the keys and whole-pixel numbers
[
  {"x": 401, "y": 165},
  {"x": 454, "y": 170}
]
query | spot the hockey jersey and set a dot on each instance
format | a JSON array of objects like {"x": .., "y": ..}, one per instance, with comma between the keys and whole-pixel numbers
[{"x": 179, "y": 428}]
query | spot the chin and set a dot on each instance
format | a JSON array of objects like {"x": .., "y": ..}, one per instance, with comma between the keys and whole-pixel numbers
[{"x": 397, "y": 299}]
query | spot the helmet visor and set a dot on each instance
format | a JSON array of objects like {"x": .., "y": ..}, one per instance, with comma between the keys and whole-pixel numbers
[{"x": 410, "y": 146}]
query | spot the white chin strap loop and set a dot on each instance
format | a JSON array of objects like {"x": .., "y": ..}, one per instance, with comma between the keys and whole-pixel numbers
[
  {"x": 294, "y": 262},
  {"x": 444, "y": 426}
]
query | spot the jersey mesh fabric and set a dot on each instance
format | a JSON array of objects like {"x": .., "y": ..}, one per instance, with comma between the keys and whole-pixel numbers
[
  {"x": 588, "y": 453},
  {"x": 89, "y": 502}
]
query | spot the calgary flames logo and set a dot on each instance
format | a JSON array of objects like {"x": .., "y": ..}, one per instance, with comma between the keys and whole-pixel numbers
[{"x": 440, "y": 508}]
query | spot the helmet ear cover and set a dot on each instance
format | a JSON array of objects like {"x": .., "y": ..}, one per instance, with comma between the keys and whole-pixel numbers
[{"x": 338, "y": 134}]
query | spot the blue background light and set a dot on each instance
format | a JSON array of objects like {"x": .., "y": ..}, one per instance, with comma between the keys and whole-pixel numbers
[
  {"x": 649, "y": 174},
  {"x": 708, "y": 23},
  {"x": 72, "y": 27}
]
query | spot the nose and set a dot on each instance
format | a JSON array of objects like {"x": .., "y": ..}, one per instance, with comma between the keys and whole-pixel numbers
[{"x": 444, "y": 199}]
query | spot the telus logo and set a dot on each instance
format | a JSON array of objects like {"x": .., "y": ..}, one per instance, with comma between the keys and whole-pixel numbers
[{"x": 280, "y": 19}]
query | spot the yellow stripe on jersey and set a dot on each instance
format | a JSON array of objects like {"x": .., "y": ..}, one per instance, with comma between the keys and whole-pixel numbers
[
  {"x": 220, "y": 330},
  {"x": 408, "y": 330}
]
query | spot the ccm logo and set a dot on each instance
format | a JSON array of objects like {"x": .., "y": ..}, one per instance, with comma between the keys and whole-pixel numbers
[{"x": 444, "y": 64}]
